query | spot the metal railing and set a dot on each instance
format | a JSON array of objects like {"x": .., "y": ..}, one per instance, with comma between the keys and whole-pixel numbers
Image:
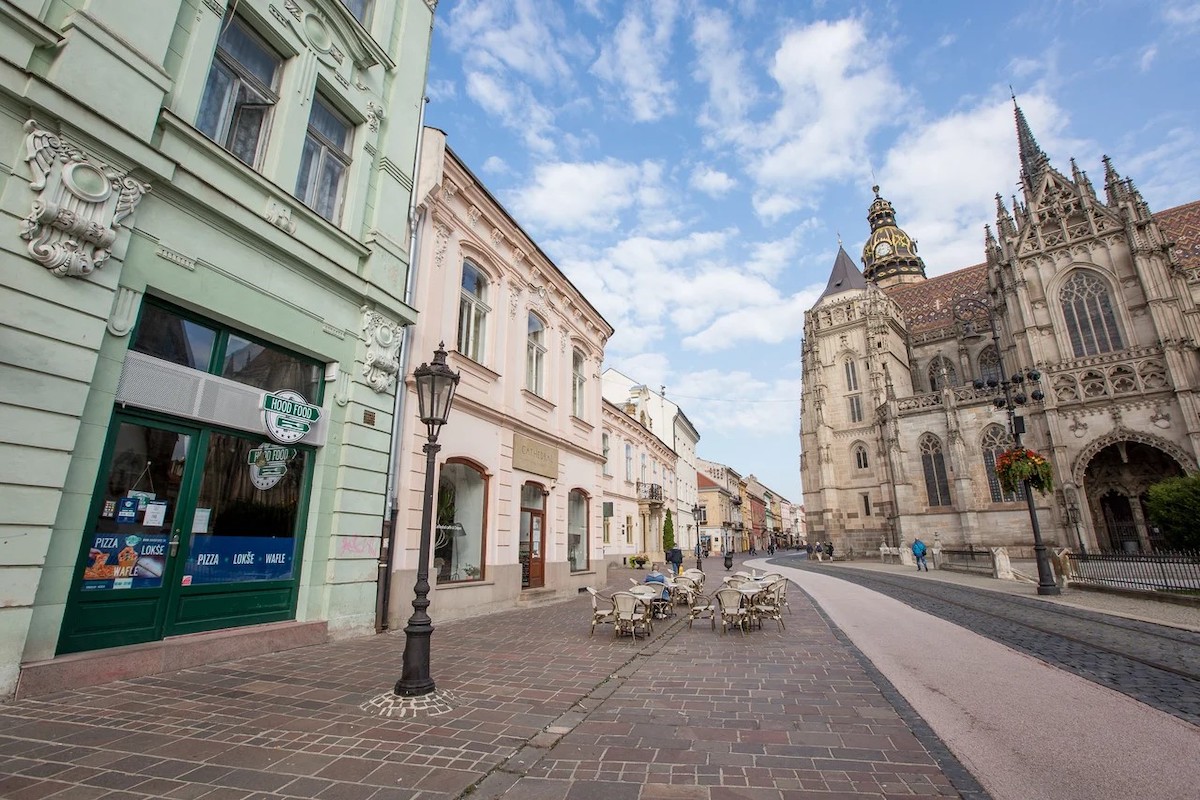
[
  {"x": 650, "y": 491},
  {"x": 1163, "y": 571},
  {"x": 972, "y": 559}
]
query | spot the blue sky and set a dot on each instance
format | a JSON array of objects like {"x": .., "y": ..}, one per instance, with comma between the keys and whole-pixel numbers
[{"x": 690, "y": 166}]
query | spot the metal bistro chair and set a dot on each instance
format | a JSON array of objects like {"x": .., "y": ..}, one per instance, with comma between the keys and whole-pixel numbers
[
  {"x": 781, "y": 587},
  {"x": 767, "y": 605},
  {"x": 600, "y": 614},
  {"x": 630, "y": 614},
  {"x": 696, "y": 575},
  {"x": 685, "y": 589},
  {"x": 731, "y": 609},
  {"x": 701, "y": 606}
]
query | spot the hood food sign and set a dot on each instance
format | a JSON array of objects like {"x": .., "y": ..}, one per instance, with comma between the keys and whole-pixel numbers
[
  {"x": 288, "y": 416},
  {"x": 268, "y": 464}
]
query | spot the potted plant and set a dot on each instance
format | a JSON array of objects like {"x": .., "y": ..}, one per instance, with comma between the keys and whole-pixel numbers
[
  {"x": 639, "y": 560},
  {"x": 1020, "y": 464}
]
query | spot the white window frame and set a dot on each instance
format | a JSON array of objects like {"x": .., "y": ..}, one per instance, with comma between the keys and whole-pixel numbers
[
  {"x": 328, "y": 154},
  {"x": 241, "y": 79},
  {"x": 535, "y": 355},
  {"x": 473, "y": 314},
  {"x": 578, "y": 384}
]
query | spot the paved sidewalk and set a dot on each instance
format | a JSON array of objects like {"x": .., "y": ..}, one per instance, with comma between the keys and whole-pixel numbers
[{"x": 537, "y": 710}]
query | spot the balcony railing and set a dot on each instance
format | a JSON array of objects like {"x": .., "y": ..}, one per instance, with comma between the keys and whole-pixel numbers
[{"x": 650, "y": 491}]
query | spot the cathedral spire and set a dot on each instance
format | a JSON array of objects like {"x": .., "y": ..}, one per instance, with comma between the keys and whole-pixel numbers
[
  {"x": 845, "y": 276},
  {"x": 1033, "y": 159},
  {"x": 1004, "y": 221}
]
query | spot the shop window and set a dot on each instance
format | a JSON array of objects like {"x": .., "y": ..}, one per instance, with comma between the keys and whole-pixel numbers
[
  {"x": 244, "y": 525},
  {"x": 577, "y": 530},
  {"x": 473, "y": 313},
  {"x": 240, "y": 93},
  {"x": 324, "y": 161},
  {"x": 458, "y": 545},
  {"x": 176, "y": 336}
]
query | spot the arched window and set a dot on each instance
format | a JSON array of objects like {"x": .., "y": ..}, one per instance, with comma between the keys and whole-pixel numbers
[
  {"x": 1088, "y": 311},
  {"x": 995, "y": 441},
  {"x": 473, "y": 312},
  {"x": 577, "y": 530},
  {"x": 860, "y": 456},
  {"x": 535, "y": 355},
  {"x": 458, "y": 546},
  {"x": 851, "y": 376},
  {"x": 937, "y": 367},
  {"x": 578, "y": 382},
  {"x": 989, "y": 364},
  {"x": 937, "y": 487}
]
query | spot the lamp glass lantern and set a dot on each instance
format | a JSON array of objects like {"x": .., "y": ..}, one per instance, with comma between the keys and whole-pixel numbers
[{"x": 436, "y": 384}]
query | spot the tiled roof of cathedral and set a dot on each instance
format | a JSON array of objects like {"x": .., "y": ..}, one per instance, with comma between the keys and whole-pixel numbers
[
  {"x": 929, "y": 305},
  {"x": 1181, "y": 225}
]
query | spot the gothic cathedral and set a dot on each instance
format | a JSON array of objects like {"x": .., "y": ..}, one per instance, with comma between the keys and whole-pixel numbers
[{"x": 1085, "y": 312}]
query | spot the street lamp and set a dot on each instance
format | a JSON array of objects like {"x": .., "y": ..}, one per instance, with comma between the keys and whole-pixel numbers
[
  {"x": 436, "y": 383},
  {"x": 696, "y": 511},
  {"x": 970, "y": 311},
  {"x": 1073, "y": 518}
]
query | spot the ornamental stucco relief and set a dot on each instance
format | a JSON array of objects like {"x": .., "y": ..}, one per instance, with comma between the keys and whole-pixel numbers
[
  {"x": 80, "y": 203},
  {"x": 382, "y": 361}
]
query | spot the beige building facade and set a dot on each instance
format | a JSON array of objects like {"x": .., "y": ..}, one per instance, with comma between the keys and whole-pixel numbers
[
  {"x": 635, "y": 504},
  {"x": 519, "y": 513}
]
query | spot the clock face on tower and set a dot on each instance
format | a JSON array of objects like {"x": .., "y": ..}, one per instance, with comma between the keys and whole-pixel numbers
[{"x": 883, "y": 249}]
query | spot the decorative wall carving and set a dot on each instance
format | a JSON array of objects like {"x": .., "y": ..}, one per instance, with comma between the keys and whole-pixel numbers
[
  {"x": 1120, "y": 435},
  {"x": 375, "y": 113},
  {"x": 280, "y": 216},
  {"x": 292, "y": 8},
  {"x": 124, "y": 311},
  {"x": 382, "y": 361},
  {"x": 441, "y": 241},
  {"x": 80, "y": 202},
  {"x": 473, "y": 215}
]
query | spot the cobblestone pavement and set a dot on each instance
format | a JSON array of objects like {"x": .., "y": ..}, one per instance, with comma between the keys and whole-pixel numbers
[
  {"x": 538, "y": 710},
  {"x": 1157, "y": 665}
]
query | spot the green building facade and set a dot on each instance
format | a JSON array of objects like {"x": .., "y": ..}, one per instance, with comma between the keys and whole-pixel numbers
[{"x": 204, "y": 249}]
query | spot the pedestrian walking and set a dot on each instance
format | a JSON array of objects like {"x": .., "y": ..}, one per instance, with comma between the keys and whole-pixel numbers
[
  {"x": 918, "y": 551},
  {"x": 808, "y": 550},
  {"x": 829, "y": 549},
  {"x": 675, "y": 558},
  {"x": 819, "y": 551}
]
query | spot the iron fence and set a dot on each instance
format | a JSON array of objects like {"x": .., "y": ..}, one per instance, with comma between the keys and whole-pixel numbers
[
  {"x": 1143, "y": 572},
  {"x": 972, "y": 559}
]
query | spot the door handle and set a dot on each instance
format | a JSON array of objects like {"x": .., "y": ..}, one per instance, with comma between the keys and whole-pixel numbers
[{"x": 174, "y": 544}]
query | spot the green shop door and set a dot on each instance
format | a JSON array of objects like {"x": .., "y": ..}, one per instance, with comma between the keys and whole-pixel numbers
[{"x": 191, "y": 529}]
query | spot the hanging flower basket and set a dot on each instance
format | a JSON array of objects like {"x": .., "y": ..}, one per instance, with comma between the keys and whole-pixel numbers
[{"x": 1019, "y": 464}]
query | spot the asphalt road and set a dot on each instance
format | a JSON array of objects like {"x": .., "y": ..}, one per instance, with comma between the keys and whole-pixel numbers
[{"x": 1036, "y": 699}]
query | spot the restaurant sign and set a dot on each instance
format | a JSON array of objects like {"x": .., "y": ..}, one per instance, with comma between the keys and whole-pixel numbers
[
  {"x": 268, "y": 464},
  {"x": 288, "y": 416},
  {"x": 533, "y": 456}
]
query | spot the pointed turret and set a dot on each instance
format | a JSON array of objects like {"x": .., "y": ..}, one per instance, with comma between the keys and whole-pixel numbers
[
  {"x": 845, "y": 276},
  {"x": 1114, "y": 187},
  {"x": 990, "y": 246},
  {"x": 890, "y": 255},
  {"x": 1081, "y": 180},
  {"x": 1004, "y": 220},
  {"x": 1033, "y": 159}
]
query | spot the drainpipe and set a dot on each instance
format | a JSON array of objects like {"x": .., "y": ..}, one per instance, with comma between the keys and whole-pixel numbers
[{"x": 383, "y": 576}]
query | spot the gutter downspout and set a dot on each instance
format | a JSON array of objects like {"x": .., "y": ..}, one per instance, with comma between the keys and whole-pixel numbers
[{"x": 383, "y": 577}]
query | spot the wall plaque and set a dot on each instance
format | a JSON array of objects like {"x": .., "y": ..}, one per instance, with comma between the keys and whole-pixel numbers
[{"x": 533, "y": 456}]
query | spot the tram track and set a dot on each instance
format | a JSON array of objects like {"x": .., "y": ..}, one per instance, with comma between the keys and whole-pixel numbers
[{"x": 1152, "y": 663}]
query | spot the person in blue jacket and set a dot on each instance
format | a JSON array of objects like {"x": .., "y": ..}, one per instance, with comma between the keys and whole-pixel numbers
[{"x": 918, "y": 550}]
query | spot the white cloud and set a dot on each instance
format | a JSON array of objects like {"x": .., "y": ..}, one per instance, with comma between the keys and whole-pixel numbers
[
  {"x": 522, "y": 37},
  {"x": 1186, "y": 15},
  {"x": 721, "y": 66},
  {"x": 770, "y": 207},
  {"x": 516, "y": 107},
  {"x": 495, "y": 165},
  {"x": 580, "y": 196},
  {"x": 636, "y": 59},
  {"x": 712, "y": 182},
  {"x": 1147, "y": 58}
]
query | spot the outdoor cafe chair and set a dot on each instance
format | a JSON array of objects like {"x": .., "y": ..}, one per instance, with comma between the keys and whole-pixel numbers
[
  {"x": 685, "y": 588},
  {"x": 771, "y": 577},
  {"x": 695, "y": 574},
  {"x": 631, "y": 614},
  {"x": 731, "y": 609},
  {"x": 766, "y": 605},
  {"x": 781, "y": 587},
  {"x": 601, "y": 615},
  {"x": 701, "y": 606}
]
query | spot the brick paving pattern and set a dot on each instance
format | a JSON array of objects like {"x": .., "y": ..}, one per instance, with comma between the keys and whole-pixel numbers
[{"x": 540, "y": 711}]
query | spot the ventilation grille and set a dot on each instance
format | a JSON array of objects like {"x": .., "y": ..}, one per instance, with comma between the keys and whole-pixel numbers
[{"x": 157, "y": 385}]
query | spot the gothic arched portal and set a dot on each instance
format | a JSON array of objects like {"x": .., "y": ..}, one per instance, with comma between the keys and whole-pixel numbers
[{"x": 1115, "y": 482}]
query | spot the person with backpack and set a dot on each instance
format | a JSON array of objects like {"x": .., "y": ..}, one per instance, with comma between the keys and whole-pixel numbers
[
  {"x": 829, "y": 549},
  {"x": 675, "y": 559},
  {"x": 918, "y": 550}
]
